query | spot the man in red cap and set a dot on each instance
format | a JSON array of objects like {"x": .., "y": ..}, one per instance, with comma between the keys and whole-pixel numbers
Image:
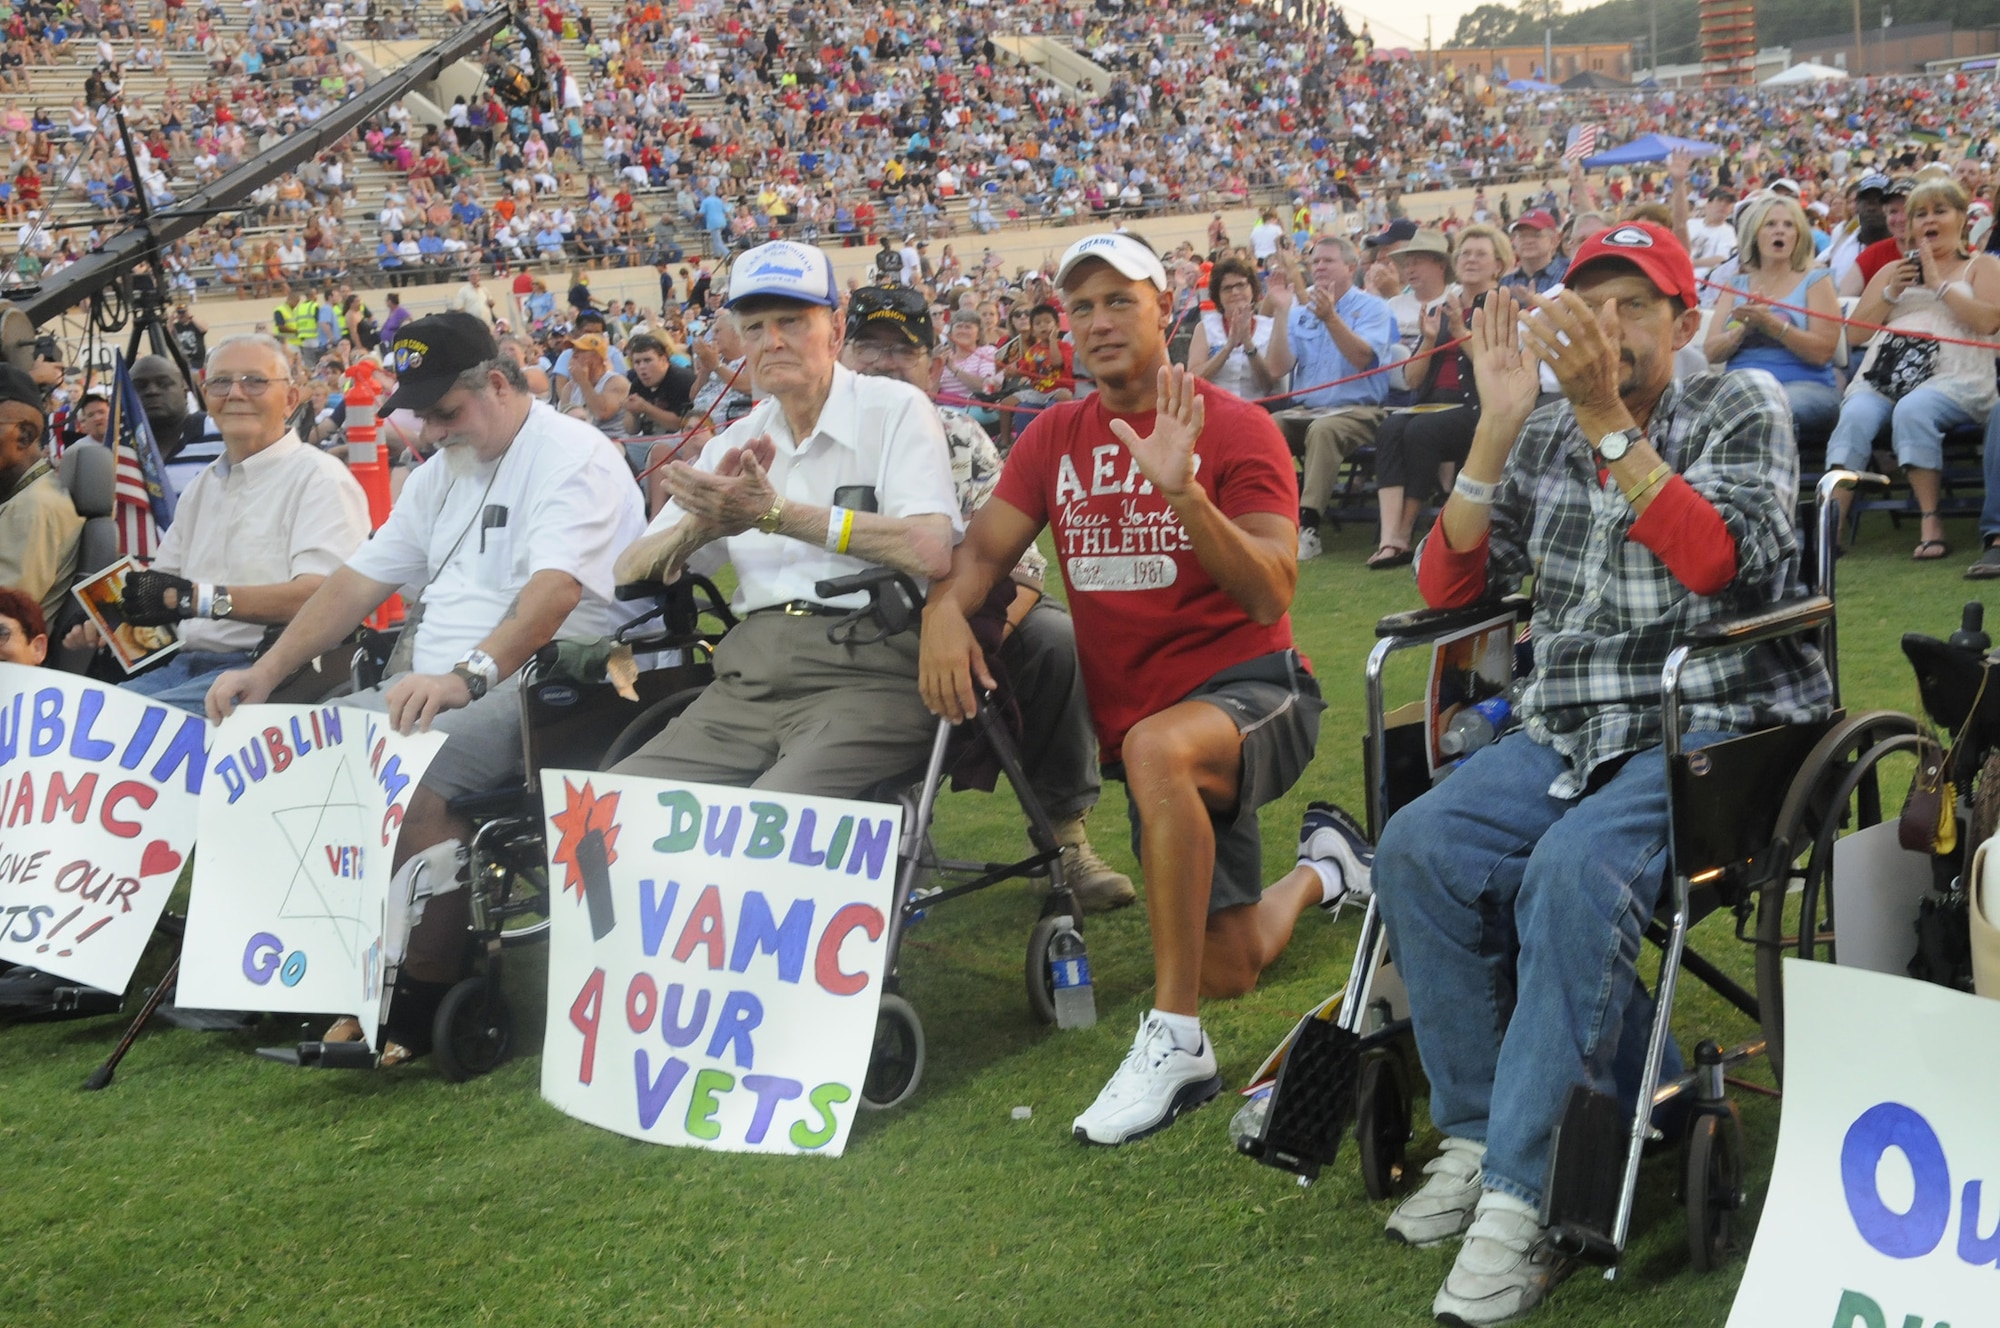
[
  {"x": 1516, "y": 891},
  {"x": 1534, "y": 235}
]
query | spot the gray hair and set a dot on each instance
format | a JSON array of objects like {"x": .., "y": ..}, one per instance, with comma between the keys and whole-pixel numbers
[
  {"x": 475, "y": 378},
  {"x": 263, "y": 341},
  {"x": 1344, "y": 246}
]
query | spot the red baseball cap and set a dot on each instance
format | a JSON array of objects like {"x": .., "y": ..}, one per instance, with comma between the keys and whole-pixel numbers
[
  {"x": 1650, "y": 247},
  {"x": 1537, "y": 219}
]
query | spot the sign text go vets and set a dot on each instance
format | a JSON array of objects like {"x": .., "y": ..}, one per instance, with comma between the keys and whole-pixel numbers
[
  {"x": 291, "y": 908},
  {"x": 98, "y": 788},
  {"x": 1885, "y": 1198},
  {"x": 715, "y": 959}
]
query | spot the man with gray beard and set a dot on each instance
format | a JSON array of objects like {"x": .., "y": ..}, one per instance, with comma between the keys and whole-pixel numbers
[{"x": 512, "y": 529}]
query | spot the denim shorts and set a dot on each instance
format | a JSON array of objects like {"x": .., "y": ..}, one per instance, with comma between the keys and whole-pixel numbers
[{"x": 1274, "y": 701}]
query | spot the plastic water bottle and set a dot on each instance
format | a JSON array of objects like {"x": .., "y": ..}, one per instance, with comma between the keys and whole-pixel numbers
[
  {"x": 1069, "y": 967},
  {"x": 1248, "y": 1122},
  {"x": 1475, "y": 726}
]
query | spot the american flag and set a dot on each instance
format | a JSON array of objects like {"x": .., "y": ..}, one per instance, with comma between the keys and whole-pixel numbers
[
  {"x": 143, "y": 502},
  {"x": 1582, "y": 143}
]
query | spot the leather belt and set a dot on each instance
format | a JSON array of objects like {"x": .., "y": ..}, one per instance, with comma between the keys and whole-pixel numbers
[{"x": 803, "y": 608}]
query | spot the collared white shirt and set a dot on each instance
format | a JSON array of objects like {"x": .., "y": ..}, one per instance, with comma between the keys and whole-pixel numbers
[
  {"x": 873, "y": 432},
  {"x": 558, "y": 499},
  {"x": 287, "y": 511}
]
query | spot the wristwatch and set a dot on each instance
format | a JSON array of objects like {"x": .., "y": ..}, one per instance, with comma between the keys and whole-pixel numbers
[
  {"x": 1613, "y": 446},
  {"x": 221, "y": 605},
  {"x": 768, "y": 523},
  {"x": 479, "y": 671}
]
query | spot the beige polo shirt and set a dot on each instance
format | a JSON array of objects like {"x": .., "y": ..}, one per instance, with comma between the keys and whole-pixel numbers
[{"x": 288, "y": 511}]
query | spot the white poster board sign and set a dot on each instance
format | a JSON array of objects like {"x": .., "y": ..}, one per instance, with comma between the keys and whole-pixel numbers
[
  {"x": 1885, "y": 1200},
  {"x": 98, "y": 788},
  {"x": 715, "y": 959},
  {"x": 299, "y": 818}
]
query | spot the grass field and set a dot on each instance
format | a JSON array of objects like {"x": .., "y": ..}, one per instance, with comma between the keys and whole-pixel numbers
[{"x": 207, "y": 1186}]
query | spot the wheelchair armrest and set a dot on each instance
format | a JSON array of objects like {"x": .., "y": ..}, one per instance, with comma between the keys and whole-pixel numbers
[
  {"x": 872, "y": 581},
  {"x": 1744, "y": 629},
  {"x": 1436, "y": 622},
  {"x": 629, "y": 590}
]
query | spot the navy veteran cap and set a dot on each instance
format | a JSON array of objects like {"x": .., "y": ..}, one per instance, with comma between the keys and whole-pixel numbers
[{"x": 430, "y": 353}]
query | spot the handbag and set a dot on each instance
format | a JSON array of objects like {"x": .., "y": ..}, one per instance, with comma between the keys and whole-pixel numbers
[
  {"x": 1902, "y": 364},
  {"x": 1929, "y": 820}
]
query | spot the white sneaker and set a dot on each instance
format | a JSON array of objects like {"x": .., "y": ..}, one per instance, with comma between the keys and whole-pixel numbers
[
  {"x": 1157, "y": 1082},
  {"x": 1327, "y": 834},
  {"x": 1505, "y": 1268},
  {"x": 1443, "y": 1208},
  {"x": 1309, "y": 545}
]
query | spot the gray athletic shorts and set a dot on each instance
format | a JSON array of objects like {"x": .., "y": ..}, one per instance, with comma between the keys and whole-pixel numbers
[
  {"x": 483, "y": 747},
  {"x": 1275, "y": 704}
]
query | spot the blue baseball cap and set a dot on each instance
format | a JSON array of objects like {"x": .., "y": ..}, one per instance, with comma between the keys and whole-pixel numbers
[{"x": 786, "y": 270}]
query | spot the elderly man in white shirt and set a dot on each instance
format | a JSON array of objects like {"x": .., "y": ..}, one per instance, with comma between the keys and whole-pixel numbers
[
  {"x": 254, "y": 534},
  {"x": 512, "y": 529},
  {"x": 831, "y": 474}
]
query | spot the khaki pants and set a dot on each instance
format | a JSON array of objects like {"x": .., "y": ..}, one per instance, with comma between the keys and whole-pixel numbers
[{"x": 1325, "y": 438}]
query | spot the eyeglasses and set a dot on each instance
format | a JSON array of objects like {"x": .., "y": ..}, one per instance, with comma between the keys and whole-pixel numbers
[
  {"x": 883, "y": 352},
  {"x": 221, "y": 385}
]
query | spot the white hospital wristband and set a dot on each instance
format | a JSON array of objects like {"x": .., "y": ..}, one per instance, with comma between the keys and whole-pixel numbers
[
  {"x": 833, "y": 520},
  {"x": 1474, "y": 491}
]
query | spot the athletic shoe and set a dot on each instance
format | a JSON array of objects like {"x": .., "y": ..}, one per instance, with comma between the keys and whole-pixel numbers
[
  {"x": 1330, "y": 835},
  {"x": 1505, "y": 1268},
  {"x": 1097, "y": 886},
  {"x": 1443, "y": 1208},
  {"x": 1157, "y": 1082},
  {"x": 1309, "y": 545}
]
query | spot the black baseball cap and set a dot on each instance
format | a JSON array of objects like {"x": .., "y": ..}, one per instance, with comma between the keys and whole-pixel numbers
[
  {"x": 16, "y": 385},
  {"x": 430, "y": 353},
  {"x": 898, "y": 307},
  {"x": 1400, "y": 231}
]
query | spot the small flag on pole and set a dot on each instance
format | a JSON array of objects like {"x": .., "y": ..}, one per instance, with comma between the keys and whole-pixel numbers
[
  {"x": 1582, "y": 143},
  {"x": 144, "y": 503}
]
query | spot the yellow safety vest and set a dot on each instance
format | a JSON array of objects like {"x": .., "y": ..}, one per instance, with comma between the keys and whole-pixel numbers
[
  {"x": 287, "y": 323},
  {"x": 305, "y": 323}
]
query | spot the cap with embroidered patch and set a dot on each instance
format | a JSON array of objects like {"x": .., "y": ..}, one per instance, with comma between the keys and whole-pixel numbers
[
  {"x": 1649, "y": 247},
  {"x": 786, "y": 270},
  {"x": 430, "y": 353}
]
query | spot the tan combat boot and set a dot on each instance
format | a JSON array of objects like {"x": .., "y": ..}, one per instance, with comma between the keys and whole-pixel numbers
[{"x": 1096, "y": 886}]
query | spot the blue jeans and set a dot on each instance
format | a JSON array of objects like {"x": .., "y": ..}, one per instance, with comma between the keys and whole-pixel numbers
[
  {"x": 1989, "y": 511},
  {"x": 1918, "y": 424},
  {"x": 1515, "y": 920},
  {"x": 1815, "y": 407},
  {"x": 184, "y": 679}
]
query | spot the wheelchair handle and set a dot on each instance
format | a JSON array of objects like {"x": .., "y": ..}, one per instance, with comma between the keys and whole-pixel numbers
[
  {"x": 1436, "y": 622},
  {"x": 680, "y": 605},
  {"x": 871, "y": 581},
  {"x": 1780, "y": 620},
  {"x": 889, "y": 613}
]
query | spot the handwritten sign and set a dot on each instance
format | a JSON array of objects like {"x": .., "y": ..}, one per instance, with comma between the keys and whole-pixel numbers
[
  {"x": 1885, "y": 1199},
  {"x": 715, "y": 959},
  {"x": 292, "y": 908},
  {"x": 98, "y": 789}
]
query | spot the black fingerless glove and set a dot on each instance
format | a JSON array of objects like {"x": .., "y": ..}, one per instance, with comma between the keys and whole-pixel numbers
[{"x": 157, "y": 599}]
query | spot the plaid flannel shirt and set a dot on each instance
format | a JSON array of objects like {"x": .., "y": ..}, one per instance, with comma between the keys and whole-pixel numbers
[{"x": 1607, "y": 611}]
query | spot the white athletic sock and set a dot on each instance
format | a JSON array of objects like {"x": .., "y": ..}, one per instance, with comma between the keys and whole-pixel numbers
[
  {"x": 1186, "y": 1029},
  {"x": 1332, "y": 881}
]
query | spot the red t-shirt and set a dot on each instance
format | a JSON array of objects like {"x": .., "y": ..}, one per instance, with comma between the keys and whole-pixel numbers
[
  {"x": 1878, "y": 256},
  {"x": 1151, "y": 623}
]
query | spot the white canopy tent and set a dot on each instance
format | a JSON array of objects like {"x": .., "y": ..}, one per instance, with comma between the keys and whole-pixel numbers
[{"x": 1803, "y": 73}]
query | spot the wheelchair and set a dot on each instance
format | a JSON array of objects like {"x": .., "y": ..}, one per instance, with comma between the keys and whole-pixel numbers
[{"x": 1732, "y": 845}]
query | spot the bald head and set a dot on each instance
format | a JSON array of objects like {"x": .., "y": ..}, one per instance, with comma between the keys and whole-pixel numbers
[{"x": 162, "y": 395}]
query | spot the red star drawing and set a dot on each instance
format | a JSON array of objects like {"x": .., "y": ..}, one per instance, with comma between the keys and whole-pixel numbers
[{"x": 583, "y": 812}]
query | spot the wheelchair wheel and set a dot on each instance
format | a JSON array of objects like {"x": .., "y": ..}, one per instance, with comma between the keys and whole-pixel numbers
[
  {"x": 1838, "y": 790},
  {"x": 647, "y": 726},
  {"x": 896, "y": 1066},
  {"x": 527, "y": 900},
  {"x": 471, "y": 1033},
  {"x": 1382, "y": 1124},
  {"x": 1712, "y": 1185},
  {"x": 1041, "y": 983}
]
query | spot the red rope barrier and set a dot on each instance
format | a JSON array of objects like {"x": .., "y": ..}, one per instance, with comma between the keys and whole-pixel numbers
[
  {"x": 1753, "y": 298},
  {"x": 689, "y": 434}
]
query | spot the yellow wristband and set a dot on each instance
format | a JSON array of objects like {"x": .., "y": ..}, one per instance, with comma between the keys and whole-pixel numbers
[
  {"x": 846, "y": 529},
  {"x": 1660, "y": 475}
]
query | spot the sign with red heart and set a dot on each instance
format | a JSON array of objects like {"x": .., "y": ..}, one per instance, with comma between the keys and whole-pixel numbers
[{"x": 99, "y": 790}]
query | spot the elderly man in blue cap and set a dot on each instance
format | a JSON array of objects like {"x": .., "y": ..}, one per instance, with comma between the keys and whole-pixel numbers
[{"x": 833, "y": 473}]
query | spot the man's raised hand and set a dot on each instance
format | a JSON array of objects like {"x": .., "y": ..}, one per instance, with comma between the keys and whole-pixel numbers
[
  {"x": 1579, "y": 344},
  {"x": 1166, "y": 456},
  {"x": 1505, "y": 373}
]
